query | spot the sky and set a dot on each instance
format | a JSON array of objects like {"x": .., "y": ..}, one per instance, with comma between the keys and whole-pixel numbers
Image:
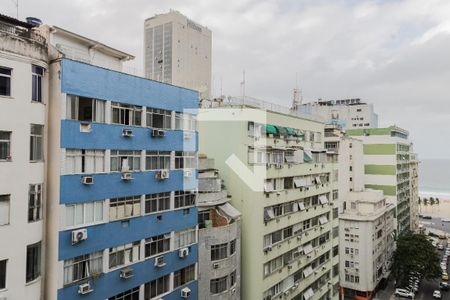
[{"x": 394, "y": 54}]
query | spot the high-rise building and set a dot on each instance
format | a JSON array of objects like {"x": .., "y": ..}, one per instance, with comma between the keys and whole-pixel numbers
[
  {"x": 178, "y": 51},
  {"x": 23, "y": 135},
  {"x": 414, "y": 191},
  {"x": 219, "y": 237},
  {"x": 281, "y": 179},
  {"x": 347, "y": 113},
  {"x": 121, "y": 215},
  {"x": 387, "y": 163}
]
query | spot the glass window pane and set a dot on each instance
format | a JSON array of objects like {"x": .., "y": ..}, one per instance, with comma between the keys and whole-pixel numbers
[{"x": 89, "y": 209}]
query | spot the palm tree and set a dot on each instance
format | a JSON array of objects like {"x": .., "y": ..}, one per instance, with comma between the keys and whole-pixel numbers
[
  {"x": 431, "y": 201},
  {"x": 419, "y": 201},
  {"x": 425, "y": 201},
  {"x": 437, "y": 201}
]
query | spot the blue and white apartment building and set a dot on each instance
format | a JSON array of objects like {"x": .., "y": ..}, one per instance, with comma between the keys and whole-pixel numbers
[{"x": 121, "y": 179}]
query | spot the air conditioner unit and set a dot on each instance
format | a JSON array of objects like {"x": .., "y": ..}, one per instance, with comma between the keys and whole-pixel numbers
[
  {"x": 215, "y": 265},
  {"x": 186, "y": 292},
  {"x": 79, "y": 235},
  {"x": 87, "y": 180},
  {"x": 127, "y": 132},
  {"x": 324, "y": 268},
  {"x": 308, "y": 256},
  {"x": 84, "y": 288},
  {"x": 159, "y": 261},
  {"x": 289, "y": 267},
  {"x": 295, "y": 286},
  {"x": 126, "y": 273},
  {"x": 187, "y": 173},
  {"x": 183, "y": 252},
  {"x": 268, "y": 248},
  {"x": 127, "y": 176},
  {"x": 162, "y": 174},
  {"x": 233, "y": 290},
  {"x": 158, "y": 133},
  {"x": 286, "y": 293}
]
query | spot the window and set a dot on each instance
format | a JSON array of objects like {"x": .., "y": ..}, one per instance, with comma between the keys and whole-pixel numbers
[
  {"x": 157, "y": 160},
  {"x": 185, "y": 160},
  {"x": 36, "y": 142},
  {"x": 34, "y": 202},
  {"x": 157, "y": 202},
  {"x": 185, "y": 121},
  {"x": 5, "y": 145},
  {"x": 124, "y": 254},
  {"x": 156, "y": 287},
  {"x": 4, "y": 209},
  {"x": 3, "y": 273},
  {"x": 125, "y": 161},
  {"x": 84, "y": 213},
  {"x": 159, "y": 118},
  {"x": 132, "y": 294},
  {"x": 183, "y": 276},
  {"x": 218, "y": 285},
  {"x": 126, "y": 207},
  {"x": 33, "y": 265},
  {"x": 85, "y": 109},
  {"x": 203, "y": 216},
  {"x": 36, "y": 78},
  {"x": 5, "y": 81},
  {"x": 126, "y": 114},
  {"x": 184, "y": 238},
  {"x": 233, "y": 278},
  {"x": 157, "y": 244},
  {"x": 84, "y": 161},
  {"x": 232, "y": 247},
  {"x": 219, "y": 251},
  {"x": 83, "y": 266},
  {"x": 184, "y": 199}
]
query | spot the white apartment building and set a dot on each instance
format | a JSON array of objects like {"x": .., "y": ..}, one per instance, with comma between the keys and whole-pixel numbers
[
  {"x": 347, "y": 113},
  {"x": 178, "y": 51},
  {"x": 23, "y": 113},
  {"x": 366, "y": 243}
]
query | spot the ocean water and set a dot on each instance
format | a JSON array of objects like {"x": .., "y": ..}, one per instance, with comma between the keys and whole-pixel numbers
[{"x": 434, "y": 178}]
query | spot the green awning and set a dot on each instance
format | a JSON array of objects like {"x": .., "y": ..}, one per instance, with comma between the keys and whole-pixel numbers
[
  {"x": 282, "y": 130},
  {"x": 307, "y": 155},
  {"x": 290, "y": 131},
  {"x": 267, "y": 128},
  {"x": 299, "y": 133}
]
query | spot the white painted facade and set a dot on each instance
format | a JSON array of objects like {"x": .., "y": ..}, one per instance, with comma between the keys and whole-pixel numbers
[
  {"x": 17, "y": 113},
  {"x": 178, "y": 51}
]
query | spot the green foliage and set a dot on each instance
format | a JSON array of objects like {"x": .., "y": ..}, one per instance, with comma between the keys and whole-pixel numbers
[
  {"x": 431, "y": 201},
  {"x": 425, "y": 201},
  {"x": 415, "y": 254},
  {"x": 436, "y": 200},
  {"x": 420, "y": 200}
]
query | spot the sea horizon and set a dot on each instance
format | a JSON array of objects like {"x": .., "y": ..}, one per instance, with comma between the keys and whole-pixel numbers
[{"x": 434, "y": 178}]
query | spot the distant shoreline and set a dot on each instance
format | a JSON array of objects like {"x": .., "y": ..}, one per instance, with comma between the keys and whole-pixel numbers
[{"x": 440, "y": 195}]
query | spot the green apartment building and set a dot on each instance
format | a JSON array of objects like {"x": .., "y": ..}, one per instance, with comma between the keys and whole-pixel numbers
[
  {"x": 285, "y": 185},
  {"x": 387, "y": 164}
]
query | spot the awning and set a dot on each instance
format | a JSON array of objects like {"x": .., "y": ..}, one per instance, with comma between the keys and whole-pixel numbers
[
  {"x": 323, "y": 199},
  {"x": 323, "y": 220},
  {"x": 299, "y": 133},
  {"x": 289, "y": 158},
  {"x": 290, "y": 131},
  {"x": 297, "y": 228},
  {"x": 282, "y": 130},
  {"x": 267, "y": 128},
  {"x": 301, "y": 206},
  {"x": 268, "y": 214},
  {"x": 318, "y": 181},
  {"x": 307, "y": 271},
  {"x": 229, "y": 210},
  {"x": 300, "y": 182},
  {"x": 319, "y": 150},
  {"x": 308, "y": 294},
  {"x": 307, "y": 155},
  {"x": 268, "y": 186},
  {"x": 307, "y": 248}
]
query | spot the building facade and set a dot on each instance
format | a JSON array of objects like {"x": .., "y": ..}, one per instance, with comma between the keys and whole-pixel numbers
[
  {"x": 178, "y": 51},
  {"x": 347, "y": 113},
  {"x": 219, "y": 238},
  {"x": 414, "y": 191},
  {"x": 387, "y": 155},
  {"x": 277, "y": 171},
  {"x": 366, "y": 245},
  {"x": 122, "y": 221},
  {"x": 23, "y": 135}
]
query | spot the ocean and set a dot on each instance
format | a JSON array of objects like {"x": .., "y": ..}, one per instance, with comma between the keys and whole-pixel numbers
[{"x": 434, "y": 178}]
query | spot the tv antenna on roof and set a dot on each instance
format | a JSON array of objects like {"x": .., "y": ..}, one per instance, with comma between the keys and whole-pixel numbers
[
  {"x": 16, "y": 3},
  {"x": 297, "y": 96}
]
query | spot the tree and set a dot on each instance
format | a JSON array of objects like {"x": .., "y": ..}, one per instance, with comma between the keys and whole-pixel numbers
[
  {"x": 420, "y": 200},
  {"x": 425, "y": 201},
  {"x": 437, "y": 201},
  {"x": 431, "y": 201},
  {"x": 415, "y": 254}
]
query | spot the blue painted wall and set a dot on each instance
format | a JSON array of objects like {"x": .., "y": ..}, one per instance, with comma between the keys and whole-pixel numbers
[
  {"x": 90, "y": 81},
  {"x": 106, "y": 136},
  {"x": 116, "y": 233}
]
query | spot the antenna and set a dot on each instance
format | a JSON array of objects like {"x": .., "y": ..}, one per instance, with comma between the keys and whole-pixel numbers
[
  {"x": 221, "y": 82},
  {"x": 243, "y": 86},
  {"x": 297, "y": 98},
  {"x": 16, "y": 3}
]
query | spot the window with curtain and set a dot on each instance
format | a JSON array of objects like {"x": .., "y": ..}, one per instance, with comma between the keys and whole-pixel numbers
[
  {"x": 125, "y": 207},
  {"x": 157, "y": 160},
  {"x": 85, "y": 109},
  {"x": 157, "y": 202},
  {"x": 36, "y": 79},
  {"x": 124, "y": 254},
  {"x": 183, "y": 276},
  {"x": 5, "y": 145},
  {"x": 36, "y": 142},
  {"x": 84, "y": 266},
  {"x": 157, "y": 244},
  {"x": 126, "y": 114},
  {"x": 125, "y": 161},
  {"x": 84, "y": 213},
  {"x": 219, "y": 251},
  {"x": 33, "y": 262},
  {"x": 184, "y": 199},
  {"x": 132, "y": 294},
  {"x": 156, "y": 287},
  {"x": 184, "y": 238},
  {"x": 84, "y": 161},
  {"x": 35, "y": 202},
  {"x": 4, "y": 209},
  {"x": 218, "y": 285}
]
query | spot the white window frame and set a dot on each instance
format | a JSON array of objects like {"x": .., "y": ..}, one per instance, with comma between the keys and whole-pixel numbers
[
  {"x": 161, "y": 240},
  {"x": 36, "y": 142},
  {"x": 129, "y": 206},
  {"x": 133, "y": 112},
  {"x": 73, "y": 107},
  {"x": 160, "y": 200},
  {"x": 85, "y": 161},
  {"x": 5, "y": 143},
  {"x": 185, "y": 160},
  {"x": 8, "y": 76},
  {"x": 127, "y": 160},
  {"x": 165, "y": 114},
  {"x": 5, "y": 206},
  {"x": 157, "y": 160},
  {"x": 35, "y": 202},
  {"x": 183, "y": 199},
  {"x": 83, "y": 266},
  {"x": 126, "y": 254},
  {"x": 98, "y": 213},
  {"x": 37, "y": 73},
  {"x": 184, "y": 238}
]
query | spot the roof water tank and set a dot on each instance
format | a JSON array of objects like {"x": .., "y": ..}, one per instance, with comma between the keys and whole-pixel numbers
[{"x": 34, "y": 21}]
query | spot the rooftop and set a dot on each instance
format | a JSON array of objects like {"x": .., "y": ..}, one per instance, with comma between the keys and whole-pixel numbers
[
  {"x": 352, "y": 101},
  {"x": 14, "y": 27},
  {"x": 393, "y": 131}
]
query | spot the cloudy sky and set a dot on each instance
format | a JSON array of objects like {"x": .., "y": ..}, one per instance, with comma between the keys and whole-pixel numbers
[{"x": 395, "y": 54}]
